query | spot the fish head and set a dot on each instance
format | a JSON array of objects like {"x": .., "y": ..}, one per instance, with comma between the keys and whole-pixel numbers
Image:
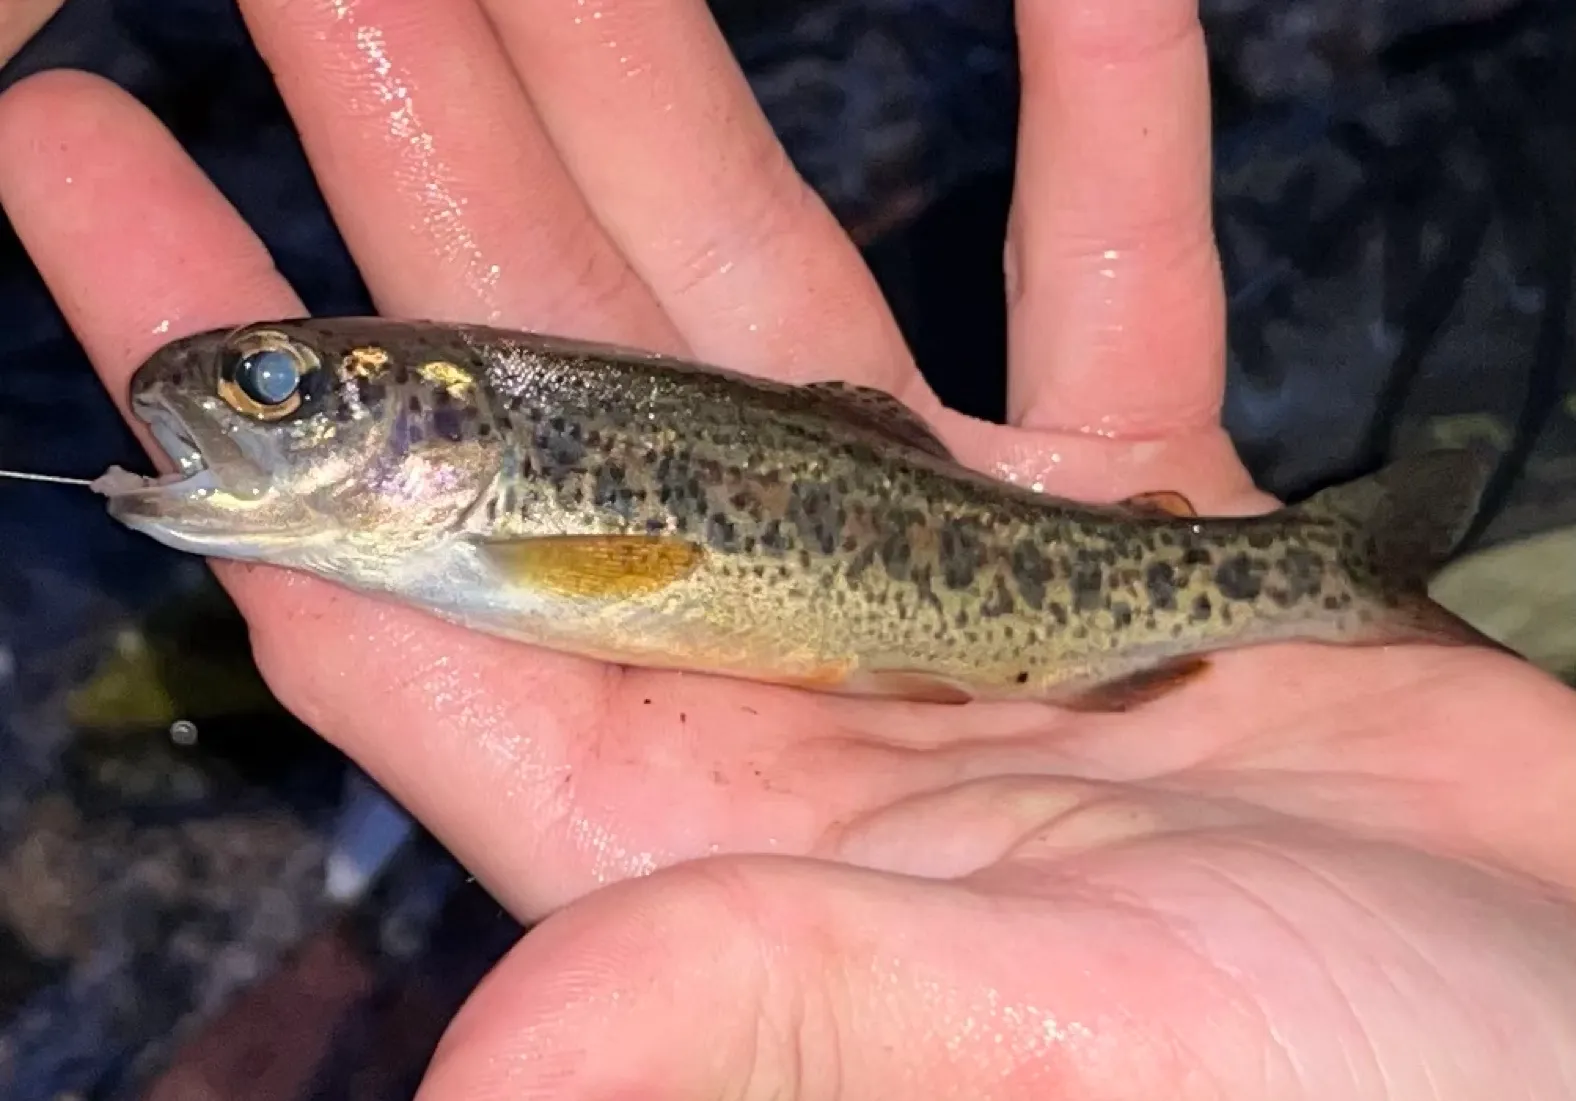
[{"x": 291, "y": 438}]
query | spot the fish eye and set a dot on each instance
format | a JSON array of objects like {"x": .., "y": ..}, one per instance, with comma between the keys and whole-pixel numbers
[
  {"x": 269, "y": 377},
  {"x": 264, "y": 380}
]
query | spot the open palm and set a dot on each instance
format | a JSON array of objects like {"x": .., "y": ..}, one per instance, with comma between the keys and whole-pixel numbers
[{"x": 1313, "y": 873}]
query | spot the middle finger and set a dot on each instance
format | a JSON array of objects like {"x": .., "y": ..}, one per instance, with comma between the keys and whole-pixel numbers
[
  {"x": 446, "y": 188},
  {"x": 657, "y": 124}
]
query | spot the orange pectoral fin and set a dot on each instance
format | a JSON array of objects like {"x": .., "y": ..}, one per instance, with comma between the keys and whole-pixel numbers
[
  {"x": 1136, "y": 689},
  {"x": 595, "y": 566}
]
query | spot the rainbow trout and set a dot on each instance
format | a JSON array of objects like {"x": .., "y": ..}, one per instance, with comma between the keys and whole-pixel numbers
[{"x": 653, "y": 512}]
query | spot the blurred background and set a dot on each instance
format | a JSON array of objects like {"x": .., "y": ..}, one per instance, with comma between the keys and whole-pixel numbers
[{"x": 199, "y": 899}]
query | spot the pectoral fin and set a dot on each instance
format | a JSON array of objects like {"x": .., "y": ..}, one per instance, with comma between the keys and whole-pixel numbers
[{"x": 595, "y": 566}]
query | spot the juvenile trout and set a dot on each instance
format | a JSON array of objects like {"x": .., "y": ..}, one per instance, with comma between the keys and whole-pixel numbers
[{"x": 652, "y": 512}]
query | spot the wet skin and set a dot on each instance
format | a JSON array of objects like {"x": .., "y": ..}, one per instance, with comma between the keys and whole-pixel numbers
[{"x": 1319, "y": 873}]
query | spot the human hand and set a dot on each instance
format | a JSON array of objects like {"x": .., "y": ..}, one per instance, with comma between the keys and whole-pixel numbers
[
  {"x": 20, "y": 20},
  {"x": 1314, "y": 873}
]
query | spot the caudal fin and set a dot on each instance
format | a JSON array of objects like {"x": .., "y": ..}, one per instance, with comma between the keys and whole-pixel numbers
[
  {"x": 1414, "y": 512},
  {"x": 1410, "y": 517}
]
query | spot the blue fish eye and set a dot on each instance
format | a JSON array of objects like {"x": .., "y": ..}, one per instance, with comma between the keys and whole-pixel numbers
[{"x": 269, "y": 377}]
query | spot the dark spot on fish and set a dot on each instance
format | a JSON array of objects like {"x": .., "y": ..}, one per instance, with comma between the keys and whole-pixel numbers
[
  {"x": 446, "y": 423},
  {"x": 1303, "y": 570},
  {"x": 1058, "y": 612},
  {"x": 772, "y": 538},
  {"x": 559, "y": 443},
  {"x": 654, "y": 526},
  {"x": 1161, "y": 581},
  {"x": 960, "y": 553},
  {"x": 895, "y": 554},
  {"x": 1087, "y": 581},
  {"x": 861, "y": 562},
  {"x": 719, "y": 531},
  {"x": 414, "y": 404},
  {"x": 1023, "y": 677},
  {"x": 1000, "y": 602},
  {"x": 1031, "y": 571},
  {"x": 483, "y": 430},
  {"x": 1240, "y": 577},
  {"x": 1196, "y": 556},
  {"x": 401, "y": 375},
  {"x": 371, "y": 392},
  {"x": 1122, "y": 613},
  {"x": 1202, "y": 608},
  {"x": 1260, "y": 540}
]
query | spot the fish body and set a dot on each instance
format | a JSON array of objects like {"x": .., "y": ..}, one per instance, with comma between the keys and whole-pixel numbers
[{"x": 654, "y": 512}]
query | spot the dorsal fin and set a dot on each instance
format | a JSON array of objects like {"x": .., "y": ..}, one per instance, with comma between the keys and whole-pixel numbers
[{"x": 883, "y": 413}]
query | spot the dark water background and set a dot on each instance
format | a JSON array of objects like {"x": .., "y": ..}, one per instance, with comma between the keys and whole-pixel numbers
[{"x": 1394, "y": 203}]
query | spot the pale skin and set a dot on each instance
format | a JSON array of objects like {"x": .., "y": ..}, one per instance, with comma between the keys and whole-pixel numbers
[{"x": 1313, "y": 873}]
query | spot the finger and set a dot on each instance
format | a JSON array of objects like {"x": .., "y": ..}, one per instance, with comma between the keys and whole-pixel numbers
[
  {"x": 447, "y": 191},
  {"x": 657, "y": 124},
  {"x": 19, "y": 21},
  {"x": 778, "y": 979},
  {"x": 1116, "y": 300}
]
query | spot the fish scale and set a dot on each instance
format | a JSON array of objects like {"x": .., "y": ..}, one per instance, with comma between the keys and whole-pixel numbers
[{"x": 647, "y": 510}]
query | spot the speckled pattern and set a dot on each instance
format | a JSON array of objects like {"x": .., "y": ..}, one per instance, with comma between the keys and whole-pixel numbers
[{"x": 844, "y": 548}]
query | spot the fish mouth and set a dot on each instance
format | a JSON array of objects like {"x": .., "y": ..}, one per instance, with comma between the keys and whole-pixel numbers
[
  {"x": 218, "y": 492},
  {"x": 194, "y": 474}
]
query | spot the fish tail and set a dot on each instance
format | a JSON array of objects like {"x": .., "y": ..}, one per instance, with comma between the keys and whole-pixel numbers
[{"x": 1409, "y": 519}]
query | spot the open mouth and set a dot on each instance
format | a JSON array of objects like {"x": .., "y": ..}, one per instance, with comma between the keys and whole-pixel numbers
[{"x": 192, "y": 473}]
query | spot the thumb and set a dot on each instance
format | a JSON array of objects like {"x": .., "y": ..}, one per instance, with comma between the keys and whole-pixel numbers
[{"x": 777, "y": 978}]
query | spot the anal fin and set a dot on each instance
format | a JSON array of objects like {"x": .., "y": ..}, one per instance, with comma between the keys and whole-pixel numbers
[{"x": 1138, "y": 688}]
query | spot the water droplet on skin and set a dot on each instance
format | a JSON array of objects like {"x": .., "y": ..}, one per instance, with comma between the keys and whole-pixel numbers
[{"x": 445, "y": 211}]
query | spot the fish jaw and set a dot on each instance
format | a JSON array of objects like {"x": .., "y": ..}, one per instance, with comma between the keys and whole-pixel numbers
[{"x": 220, "y": 500}]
